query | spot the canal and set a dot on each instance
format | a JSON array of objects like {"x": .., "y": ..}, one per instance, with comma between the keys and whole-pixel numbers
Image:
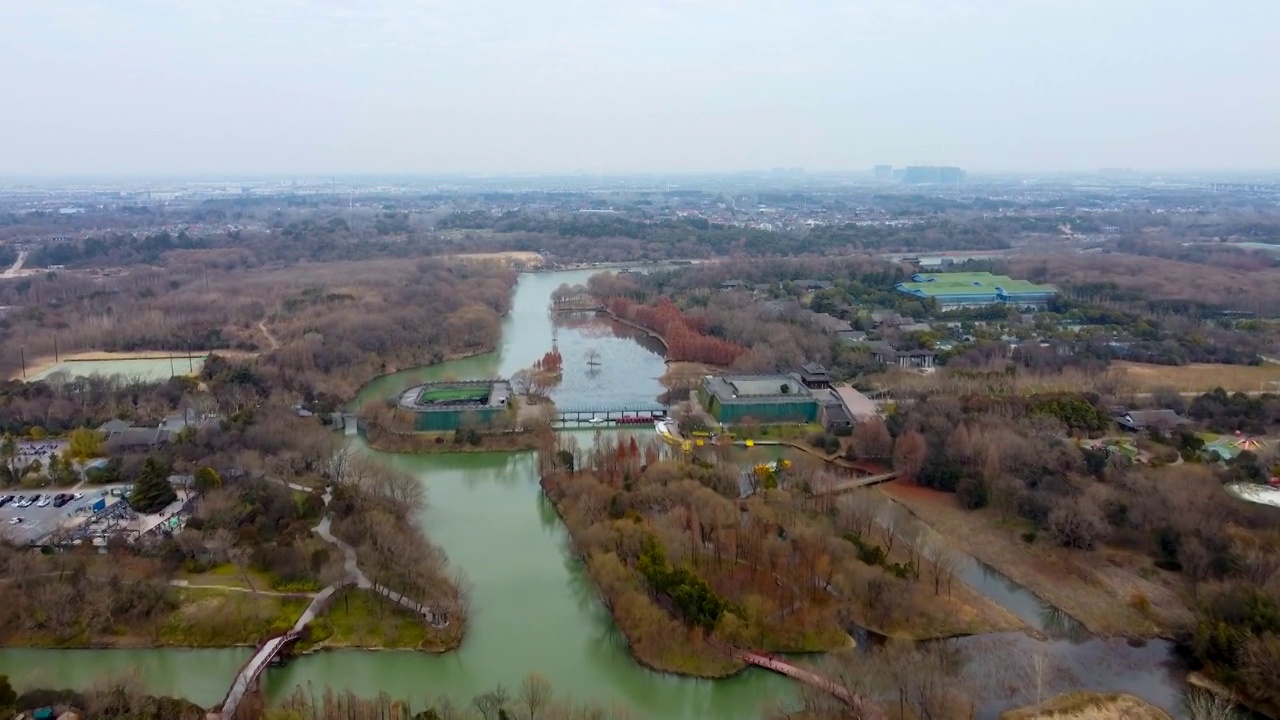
[{"x": 532, "y": 608}]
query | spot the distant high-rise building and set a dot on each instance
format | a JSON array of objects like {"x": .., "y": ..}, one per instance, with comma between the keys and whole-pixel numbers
[
  {"x": 932, "y": 175},
  {"x": 883, "y": 173}
]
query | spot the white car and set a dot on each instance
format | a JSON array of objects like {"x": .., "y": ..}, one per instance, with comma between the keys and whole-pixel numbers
[
  {"x": 77, "y": 496},
  {"x": 15, "y": 521},
  {"x": 596, "y": 420},
  {"x": 46, "y": 501}
]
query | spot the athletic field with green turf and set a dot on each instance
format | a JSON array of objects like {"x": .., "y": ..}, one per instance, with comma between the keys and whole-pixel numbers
[{"x": 442, "y": 396}]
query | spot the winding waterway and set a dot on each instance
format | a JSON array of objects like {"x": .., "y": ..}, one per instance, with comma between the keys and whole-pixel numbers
[{"x": 532, "y": 607}]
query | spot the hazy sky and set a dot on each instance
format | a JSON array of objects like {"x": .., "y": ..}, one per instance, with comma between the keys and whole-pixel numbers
[{"x": 424, "y": 86}]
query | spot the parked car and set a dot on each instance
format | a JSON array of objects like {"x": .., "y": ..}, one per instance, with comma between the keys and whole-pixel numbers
[
  {"x": 45, "y": 501},
  {"x": 15, "y": 521}
]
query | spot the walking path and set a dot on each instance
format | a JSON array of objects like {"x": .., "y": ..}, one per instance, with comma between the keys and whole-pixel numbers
[
  {"x": 234, "y": 588},
  {"x": 856, "y": 483},
  {"x": 17, "y": 265},
  {"x": 248, "y": 676},
  {"x": 866, "y": 708},
  {"x": 275, "y": 344}
]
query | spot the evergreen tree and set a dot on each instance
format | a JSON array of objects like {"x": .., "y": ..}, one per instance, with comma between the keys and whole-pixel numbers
[
  {"x": 207, "y": 479},
  {"x": 153, "y": 490}
]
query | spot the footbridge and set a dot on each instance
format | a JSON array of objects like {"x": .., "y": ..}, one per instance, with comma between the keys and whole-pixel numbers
[
  {"x": 855, "y": 483},
  {"x": 866, "y": 708},
  {"x": 246, "y": 679},
  {"x": 618, "y": 414}
]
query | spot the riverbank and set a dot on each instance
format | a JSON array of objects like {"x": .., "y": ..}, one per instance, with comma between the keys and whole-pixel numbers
[
  {"x": 358, "y": 619},
  {"x": 654, "y": 638},
  {"x": 795, "y": 601},
  {"x": 1108, "y": 598},
  {"x": 225, "y": 617},
  {"x": 1089, "y": 706},
  {"x": 427, "y": 443}
]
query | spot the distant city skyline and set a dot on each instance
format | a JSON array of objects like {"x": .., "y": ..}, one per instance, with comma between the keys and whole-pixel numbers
[{"x": 499, "y": 87}]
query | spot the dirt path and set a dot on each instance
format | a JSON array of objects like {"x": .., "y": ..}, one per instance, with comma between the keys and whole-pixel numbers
[
  {"x": 233, "y": 588},
  {"x": 17, "y": 265},
  {"x": 275, "y": 344}
]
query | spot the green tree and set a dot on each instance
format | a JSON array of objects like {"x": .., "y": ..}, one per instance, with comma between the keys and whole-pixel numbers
[
  {"x": 84, "y": 444},
  {"x": 153, "y": 490},
  {"x": 9, "y": 455},
  {"x": 64, "y": 471},
  {"x": 207, "y": 479},
  {"x": 8, "y": 698},
  {"x": 565, "y": 458}
]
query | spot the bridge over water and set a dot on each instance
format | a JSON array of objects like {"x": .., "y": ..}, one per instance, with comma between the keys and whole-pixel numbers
[
  {"x": 618, "y": 414},
  {"x": 250, "y": 673},
  {"x": 866, "y": 708}
]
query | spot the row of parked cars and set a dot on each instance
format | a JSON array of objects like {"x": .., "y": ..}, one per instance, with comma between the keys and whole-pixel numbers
[{"x": 22, "y": 501}]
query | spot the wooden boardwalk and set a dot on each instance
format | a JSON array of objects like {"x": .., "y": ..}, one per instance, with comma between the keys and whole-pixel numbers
[
  {"x": 249, "y": 674},
  {"x": 864, "y": 706},
  {"x": 855, "y": 483}
]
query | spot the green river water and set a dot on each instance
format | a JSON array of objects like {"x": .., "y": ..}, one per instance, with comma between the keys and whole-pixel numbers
[{"x": 532, "y": 608}]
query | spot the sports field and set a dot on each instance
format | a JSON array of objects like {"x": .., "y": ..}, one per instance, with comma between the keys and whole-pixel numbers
[{"x": 440, "y": 396}]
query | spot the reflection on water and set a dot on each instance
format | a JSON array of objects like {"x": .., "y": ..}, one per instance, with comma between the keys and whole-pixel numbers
[
  {"x": 1012, "y": 669},
  {"x": 533, "y": 607},
  {"x": 630, "y": 361}
]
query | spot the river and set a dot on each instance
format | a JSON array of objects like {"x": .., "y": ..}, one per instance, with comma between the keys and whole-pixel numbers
[{"x": 532, "y": 609}]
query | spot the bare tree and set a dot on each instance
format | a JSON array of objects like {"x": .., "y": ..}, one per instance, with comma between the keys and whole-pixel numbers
[
  {"x": 856, "y": 513},
  {"x": 1206, "y": 705},
  {"x": 492, "y": 703},
  {"x": 890, "y": 524},
  {"x": 914, "y": 537},
  {"x": 535, "y": 694}
]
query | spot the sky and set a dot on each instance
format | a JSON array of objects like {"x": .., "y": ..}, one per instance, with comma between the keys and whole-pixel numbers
[{"x": 608, "y": 86}]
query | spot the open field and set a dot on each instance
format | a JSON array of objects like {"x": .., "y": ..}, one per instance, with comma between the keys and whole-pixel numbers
[
  {"x": 1121, "y": 377},
  {"x": 1097, "y": 589},
  {"x": 149, "y": 364},
  {"x": 1088, "y": 706},
  {"x": 451, "y": 395},
  {"x": 363, "y": 619},
  {"x": 528, "y": 258},
  {"x": 209, "y": 617},
  {"x": 1200, "y": 377}
]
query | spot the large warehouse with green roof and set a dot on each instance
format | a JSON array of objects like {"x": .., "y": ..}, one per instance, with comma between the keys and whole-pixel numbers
[{"x": 971, "y": 289}]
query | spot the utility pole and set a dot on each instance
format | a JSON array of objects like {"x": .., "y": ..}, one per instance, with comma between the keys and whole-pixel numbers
[
  {"x": 55, "y": 347},
  {"x": 23, "y": 351}
]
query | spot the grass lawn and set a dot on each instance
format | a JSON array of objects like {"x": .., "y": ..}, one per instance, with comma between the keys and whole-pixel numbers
[
  {"x": 222, "y": 618},
  {"x": 1200, "y": 377},
  {"x": 228, "y": 575},
  {"x": 451, "y": 395},
  {"x": 362, "y": 618},
  {"x": 778, "y": 432}
]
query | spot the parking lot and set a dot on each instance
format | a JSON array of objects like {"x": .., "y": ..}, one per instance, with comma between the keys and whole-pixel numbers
[{"x": 40, "y": 521}]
